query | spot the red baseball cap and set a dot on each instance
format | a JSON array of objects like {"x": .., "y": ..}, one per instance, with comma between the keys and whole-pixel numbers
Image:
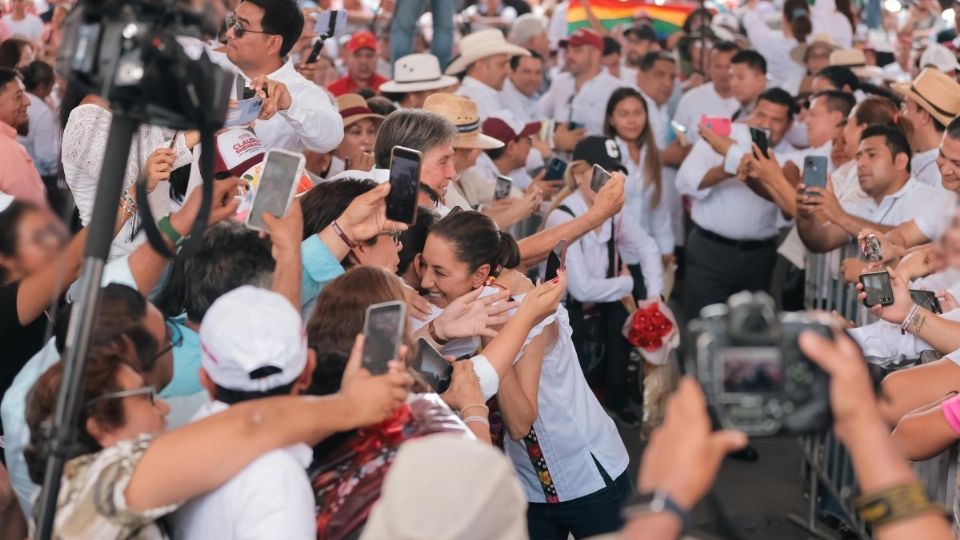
[
  {"x": 505, "y": 128},
  {"x": 583, "y": 36},
  {"x": 362, "y": 40}
]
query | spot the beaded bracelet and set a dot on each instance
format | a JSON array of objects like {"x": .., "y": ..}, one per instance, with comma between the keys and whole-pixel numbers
[
  {"x": 343, "y": 236},
  {"x": 908, "y": 320}
]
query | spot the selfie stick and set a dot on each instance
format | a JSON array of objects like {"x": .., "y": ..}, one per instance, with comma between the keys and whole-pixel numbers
[{"x": 318, "y": 44}]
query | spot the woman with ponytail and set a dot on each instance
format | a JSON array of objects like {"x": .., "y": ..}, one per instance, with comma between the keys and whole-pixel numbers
[
  {"x": 775, "y": 45},
  {"x": 567, "y": 451}
]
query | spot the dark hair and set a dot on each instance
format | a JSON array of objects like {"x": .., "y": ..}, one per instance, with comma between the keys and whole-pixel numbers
[
  {"x": 610, "y": 46},
  {"x": 779, "y": 96},
  {"x": 797, "y": 14},
  {"x": 415, "y": 237},
  {"x": 651, "y": 58},
  {"x": 515, "y": 60},
  {"x": 845, "y": 9},
  {"x": 283, "y": 18},
  {"x": 10, "y": 51},
  {"x": 73, "y": 95},
  {"x": 477, "y": 241},
  {"x": 726, "y": 46},
  {"x": 413, "y": 128},
  {"x": 9, "y": 222},
  {"x": 8, "y": 74},
  {"x": 953, "y": 129},
  {"x": 895, "y": 140},
  {"x": 651, "y": 165},
  {"x": 688, "y": 22},
  {"x": 231, "y": 256},
  {"x": 381, "y": 105},
  {"x": 752, "y": 59},
  {"x": 840, "y": 77},
  {"x": 496, "y": 153},
  {"x": 36, "y": 74},
  {"x": 326, "y": 201},
  {"x": 837, "y": 101}
]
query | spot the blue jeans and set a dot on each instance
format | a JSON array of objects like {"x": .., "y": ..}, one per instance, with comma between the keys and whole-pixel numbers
[
  {"x": 590, "y": 515},
  {"x": 405, "y": 24}
]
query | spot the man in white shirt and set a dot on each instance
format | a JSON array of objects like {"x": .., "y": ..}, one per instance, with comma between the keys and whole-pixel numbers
[
  {"x": 254, "y": 346},
  {"x": 748, "y": 79},
  {"x": 828, "y": 109},
  {"x": 930, "y": 102},
  {"x": 893, "y": 196},
  {"x": 485, "y": 57},
  {"x": 297, "y": 114},
  {"x": 23, "y": 24},
  {"x": 530, "y": 32},
  {"x": 714, "y": 98},
  {"x": 639, "y": 40},
  {"x": 733, "y": 243},
  {"x": 512, "y": 156},
  {"x": 578, "y": 97},
  {"x": 612, "y": 61},
  {"x": 520, "y": 91}
]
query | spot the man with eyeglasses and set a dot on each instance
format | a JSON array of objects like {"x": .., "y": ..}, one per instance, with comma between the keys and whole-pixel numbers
[{"x": 297, "y": 115}]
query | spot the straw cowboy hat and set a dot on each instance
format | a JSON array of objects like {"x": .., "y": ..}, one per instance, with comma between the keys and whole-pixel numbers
[
  {"x": 799, "y": 53},
  {"x": 354, "y": 108},
  {"x": 417, "y": 73},
  {"x": 935, "y": 92},
  {"x": 480, "y": 45},
  {"x": 856, "y": 61},
  {"x": 462, "y": 113}
]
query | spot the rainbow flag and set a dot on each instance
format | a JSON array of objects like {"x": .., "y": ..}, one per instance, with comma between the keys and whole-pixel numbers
[{"x": 667, "y": 18}]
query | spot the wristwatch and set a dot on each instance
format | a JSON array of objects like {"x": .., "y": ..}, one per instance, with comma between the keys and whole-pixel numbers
[{"x": 655, "y": 502}]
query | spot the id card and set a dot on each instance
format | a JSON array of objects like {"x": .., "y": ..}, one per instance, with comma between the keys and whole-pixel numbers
[{"x": 246, "y": 111}]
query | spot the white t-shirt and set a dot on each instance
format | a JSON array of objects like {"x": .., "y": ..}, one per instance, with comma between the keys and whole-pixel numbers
[
  {"x": 700, "y": 101},
  {"x": 30, "y": 27}
]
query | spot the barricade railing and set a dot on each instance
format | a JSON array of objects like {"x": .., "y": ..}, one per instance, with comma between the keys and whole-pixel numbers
[{"x": 827, "y": 467}]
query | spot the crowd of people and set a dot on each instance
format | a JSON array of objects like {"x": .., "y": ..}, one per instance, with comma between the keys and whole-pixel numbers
[{"x": 224, "y": 393}]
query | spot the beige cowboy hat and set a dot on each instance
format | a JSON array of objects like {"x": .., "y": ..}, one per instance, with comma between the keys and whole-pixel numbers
[
  {"x": 480, "y": 45},
  {"x": 462, "y": 113},
  {"x": 799, "y": 53},
  {"x": 935, "y": 92},
  {"x": 417, "y": 73},
  {"x": 856, "y": 61},
  {"x": 354, "y": 108}
]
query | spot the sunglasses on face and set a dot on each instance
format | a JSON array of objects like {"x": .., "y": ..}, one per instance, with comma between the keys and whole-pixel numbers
[{"x": 239, "y": 30}]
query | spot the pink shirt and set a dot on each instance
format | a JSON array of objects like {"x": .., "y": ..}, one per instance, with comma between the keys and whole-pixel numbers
[
  {"x": 951, "y": 411},
  {"x": 18, "y": 176}
]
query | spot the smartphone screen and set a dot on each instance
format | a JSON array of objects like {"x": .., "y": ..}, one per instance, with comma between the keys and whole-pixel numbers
[
  {"x": 555, "y": 169},
  {"x": 555, "y": 260},
  {"x": 878, "y": 288},
  {"x": 405, "y": 184},
  {"x": 281, "y": 171},
  {"x": 502, "y": 189},
  {"x": 246, "y": 111},
  {"x": 600, "y": 177},
  {"x": 433, "y": 367},
  {"x": 382, "y": 332},
  {"x": 330, "y": 22},
  {"x": 815, "y": 171},
  {"x": 759, "y": 137}
]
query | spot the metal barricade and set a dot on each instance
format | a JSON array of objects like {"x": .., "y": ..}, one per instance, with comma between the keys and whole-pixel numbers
[{"x": 827, "y": 466}]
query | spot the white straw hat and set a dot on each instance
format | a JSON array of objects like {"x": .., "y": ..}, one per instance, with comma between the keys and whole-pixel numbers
[
  {"x": 480, "y": 45},
  {"x": 416, "y": 73}
]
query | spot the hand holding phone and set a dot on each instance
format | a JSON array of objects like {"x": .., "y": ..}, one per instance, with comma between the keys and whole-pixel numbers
[
  {"x": 718, "y": 124},
  {"x": 555, "y": 169},
  {"x": 404, "y": 184},
  {"x": 599, "y": 178},
  {"x": 759, "y": 138},
  {"x": 245, "y": 112},
  {"x": 433, "y": 367},
  {"x": 556, "y": 260},
  {"x": 502, "y": 188},
  {"x": 277, "y": 186},
  {"x": 926, "y": 299},
  {"x": 815, "y": 171},
  {"x": 878, "y": 288},
  {"x": 383, "y": 330}
]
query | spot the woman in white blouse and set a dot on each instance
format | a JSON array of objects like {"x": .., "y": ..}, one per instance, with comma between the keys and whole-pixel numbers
[
  {"x": 598, "y": 274},
  {"x": 85, "y": 120},
  {"x": 627, "y": 122}
]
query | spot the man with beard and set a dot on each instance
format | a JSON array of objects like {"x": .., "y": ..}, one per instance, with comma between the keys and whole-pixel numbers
[{"x": 18, "y": 176}]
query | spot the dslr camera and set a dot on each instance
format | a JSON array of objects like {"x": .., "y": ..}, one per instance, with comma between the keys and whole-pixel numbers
[{"x": 752, "y": 371}]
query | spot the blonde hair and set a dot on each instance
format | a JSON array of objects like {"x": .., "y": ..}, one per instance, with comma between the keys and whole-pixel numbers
[{"x": 569, "y": 185}]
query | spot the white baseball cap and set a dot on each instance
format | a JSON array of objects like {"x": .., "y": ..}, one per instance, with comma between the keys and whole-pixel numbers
[
  {"x": 237, "y": 150},
  {"x": 252, "y": 340},
  {"x": 939, "y": 57}
]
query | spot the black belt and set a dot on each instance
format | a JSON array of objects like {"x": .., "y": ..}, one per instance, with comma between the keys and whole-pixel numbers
[{"x": 739, "y": 244}]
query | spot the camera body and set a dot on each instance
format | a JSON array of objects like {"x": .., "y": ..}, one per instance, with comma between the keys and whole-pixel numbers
[{"x": 752, "y": 371}]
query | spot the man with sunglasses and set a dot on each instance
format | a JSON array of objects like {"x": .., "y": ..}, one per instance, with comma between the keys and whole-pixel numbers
[{"x": 297, "y": 115}]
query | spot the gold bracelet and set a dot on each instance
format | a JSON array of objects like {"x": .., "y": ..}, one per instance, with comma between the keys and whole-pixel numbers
[{"x": 895, "y": 503}]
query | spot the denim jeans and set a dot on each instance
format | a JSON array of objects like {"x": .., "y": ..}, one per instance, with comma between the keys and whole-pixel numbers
[
  {"x": 590, "y": 515},
  {"x": 407, "y": 12}
]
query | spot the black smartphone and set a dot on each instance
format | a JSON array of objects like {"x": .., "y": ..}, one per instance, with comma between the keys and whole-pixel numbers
[
  {"x": 555, "y": 169},
  {"x": 926, "y": 299},
  {"x": 574, "y": 125},
  {"x": 502, "y": 189},
  {"x": 276, "y": 188},
  {"x": 815, "y": 171},
  {"x": 878, "y": 288},
  {"x": 433, "y": 367},
  {"x": 382, "y": 335},
  {"x": 759, "y": 137},
  {"x": 404, "y": 184},
  {"x": 555, "y": 260},
  {"x": 248, "y": 93},
  {"x": 600, "y": 177}
]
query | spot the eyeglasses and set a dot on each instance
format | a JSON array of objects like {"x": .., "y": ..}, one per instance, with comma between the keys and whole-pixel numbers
[
  {"x": 392, "y": 234},
  {"x": 142, "y": 391},
  {"x": 239, "y": 30},
  {"x": 174, "y": 339}
]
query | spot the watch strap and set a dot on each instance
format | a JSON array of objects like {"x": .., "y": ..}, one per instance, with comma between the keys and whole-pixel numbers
[
  {"x": 656, "y": 502},
  {"x": 167, "y": 229},
  {"x": 895, "y": 503}
]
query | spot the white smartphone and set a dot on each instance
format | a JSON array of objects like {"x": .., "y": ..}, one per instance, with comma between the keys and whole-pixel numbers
[
  {"x": 331, "y": 22},
  {"x": 278, "y": 184}
]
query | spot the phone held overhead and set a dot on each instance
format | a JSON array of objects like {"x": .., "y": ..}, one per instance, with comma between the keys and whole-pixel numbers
[
  {"x": 383, "y": 330},
  {"x": 404, "y": 184},
  {"x": 278, "y": 184}
]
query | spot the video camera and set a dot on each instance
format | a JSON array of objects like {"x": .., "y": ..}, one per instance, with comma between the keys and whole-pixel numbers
[{"x": 752, "y": 371}]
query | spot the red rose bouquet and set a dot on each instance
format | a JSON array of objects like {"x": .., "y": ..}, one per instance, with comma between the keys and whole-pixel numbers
[{"x": 652, "y": 329}]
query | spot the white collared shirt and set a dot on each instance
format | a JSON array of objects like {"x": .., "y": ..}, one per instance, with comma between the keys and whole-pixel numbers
[
  {"x": 659, "y": 117},
  {"x": 486, "y": 97},
  {"x": 523, "y": 107},
  {"x": 700, "y": 101},
  {"x": 43, "y": 140},
  {"x": 924, "y": 168},
  {"x": 930, "y": 208},
  {"x": 588, "y": 260},
  {"x": 587, "y": 106},
  {"x": 655, "y": 220},
  {"x": 775, "y": 48},
  {"x": 729, "y": 208},
  {"x": 270, "y": 498}
]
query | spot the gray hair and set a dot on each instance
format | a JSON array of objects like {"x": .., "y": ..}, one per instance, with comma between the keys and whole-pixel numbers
[
  {"x": 525, "y": 27},
  {"x": 413, "y": 128}
]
